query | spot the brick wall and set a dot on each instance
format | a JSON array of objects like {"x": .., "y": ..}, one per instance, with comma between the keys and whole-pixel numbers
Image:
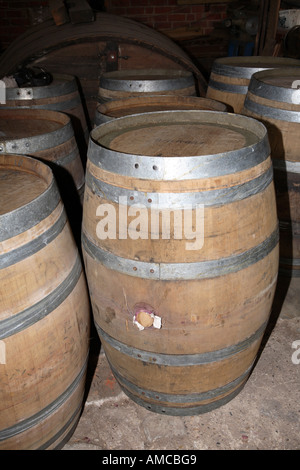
[
  {"x": 168, "y": 15},
  {"x": 16, "y": 15}
]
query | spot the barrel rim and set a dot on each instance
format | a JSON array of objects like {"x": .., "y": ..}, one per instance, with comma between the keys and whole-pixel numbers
[
  {"x": 14, "y": 222},
  {"x": 181, "y": 168},
  {"x": 229, "y": 66},
  {"x": 36, "y": 143},
  {"x": 273, "y": 92},
  {"x": 68, "y": 85},
  {"x": 116, "y": 80},
  {"x": 104, "y": 109}
]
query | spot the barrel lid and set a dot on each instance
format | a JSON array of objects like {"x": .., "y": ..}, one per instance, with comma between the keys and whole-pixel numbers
[
  {"x": 245, "y": 67},
  {"x": 27, "y": 131},
  {"x": 183, "y": 144},
  {"x": 148, "y": 103},
  {"x": 28, "y": 193},
  {"x": 62, "y": 84},
  {"x": 277, "y": 84},
  {"x": 146, "y": 80}
]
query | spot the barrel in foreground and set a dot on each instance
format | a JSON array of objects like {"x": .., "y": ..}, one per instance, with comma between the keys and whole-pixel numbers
[
  {"x": 44, "y": 313},
  {"x": 180, "y": 244}
]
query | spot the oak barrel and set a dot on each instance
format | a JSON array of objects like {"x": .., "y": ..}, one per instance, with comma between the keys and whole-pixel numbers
[
  {"x": 147, "y": 103},
  {"x": 44, "y": 311},
  {"x": 230, "y": 77},
  {"x": 126, "y": 83},
  {"x": 274, "y": 99},
  {"x": 62, "y": 94},
  {"x": 180, "y": 244}
]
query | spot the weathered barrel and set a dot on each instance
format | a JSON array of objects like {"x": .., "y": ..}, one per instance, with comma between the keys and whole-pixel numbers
[
  {"x": 230, "y": 77},
  {"x": 274, "y": 99},
  {"x": 126, "y": 83},
  {"x": 62, "y": 94},
  {"x": 49, "y": 136},
  {"x": 148, "y": 103},
  {"x": 44, "y": 311},
  {"x": 180, "y": 244}
]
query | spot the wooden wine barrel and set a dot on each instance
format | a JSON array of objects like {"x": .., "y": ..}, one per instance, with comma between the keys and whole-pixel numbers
[
  {"x": 44, "y": 311},
  {"x": 87, "y": 50},
  {"x": 127, "y": 83},
  {"x": 273, "y": 98},
  {"x": 49, "y": 136},
  {"x": 141, "y": 104},
  {"x": 61, "y": 94},
  {"x": 180, "y": 244},
  {"x": 230, "y": 77}
]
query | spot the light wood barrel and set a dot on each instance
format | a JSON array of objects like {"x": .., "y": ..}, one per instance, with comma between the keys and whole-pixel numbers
[
  {"x": 48, "y": 136},
  {"x": 147, "y": 103},
  {"x": 230, "y": 77},
  {"x": 180, "y": 243},
  {"x": 273, "y": 98},
  {"x": 126, "y": 83},
  {"x": 44, "y": 311},
  {"x": 62, "y": 94}
]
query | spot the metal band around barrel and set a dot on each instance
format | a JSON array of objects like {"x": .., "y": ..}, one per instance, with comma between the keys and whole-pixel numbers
[
  {"x": 101, "y": 118},
  {"x": 179, "y": 360},
  {"x": 234, "y": 71},
  {"x": 19, "y": 220},
  {"x": 146, "y": 86},
  {"x": 180, "y": 200},
  {"x": 228, "y": 87},
  {"x": 181, "y": 410},
  {"x": 178, "y": 168},
  {"x": 272, "y": 92},
  {"x": 39, "y": 92},
  {"x": 30, "y": 145},
  {"x": 286, "y": 165},
  {"x": 44, "y": 307},
  {"x": 184, "y": 398},
  {"x": 32, "y": 247},
  {"x": 270, "y": 112},
  {"x": 39, "y": 417},
  {"x": 182, "y": 271}
]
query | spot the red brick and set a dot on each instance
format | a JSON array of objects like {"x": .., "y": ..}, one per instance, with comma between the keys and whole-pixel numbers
[
  {"x": 16, "y": 13},
  {"x": 149, "y": 10},
  {"x": 197, "y": 9},
  {"x": 164, "y": 10},
  {"x": 162, "y": 25},
  {"x": 176, "y": 17},
  {"x": 134, "y": 10},
  {"x": 19, "y": 21},
  {"x": 179, "y": 24},
  {"x": 137, "y": 3},
  {"x": 191, "y": 17}
]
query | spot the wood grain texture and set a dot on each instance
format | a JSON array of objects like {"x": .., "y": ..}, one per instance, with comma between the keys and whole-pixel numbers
[
  {"x": 236, "y": 72},
  {"x": 212, "y": 324},
  {"x": 143, "y": 104},
  {"x": 44, "y": 317},
  {"x": 284, "y": 137}
]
